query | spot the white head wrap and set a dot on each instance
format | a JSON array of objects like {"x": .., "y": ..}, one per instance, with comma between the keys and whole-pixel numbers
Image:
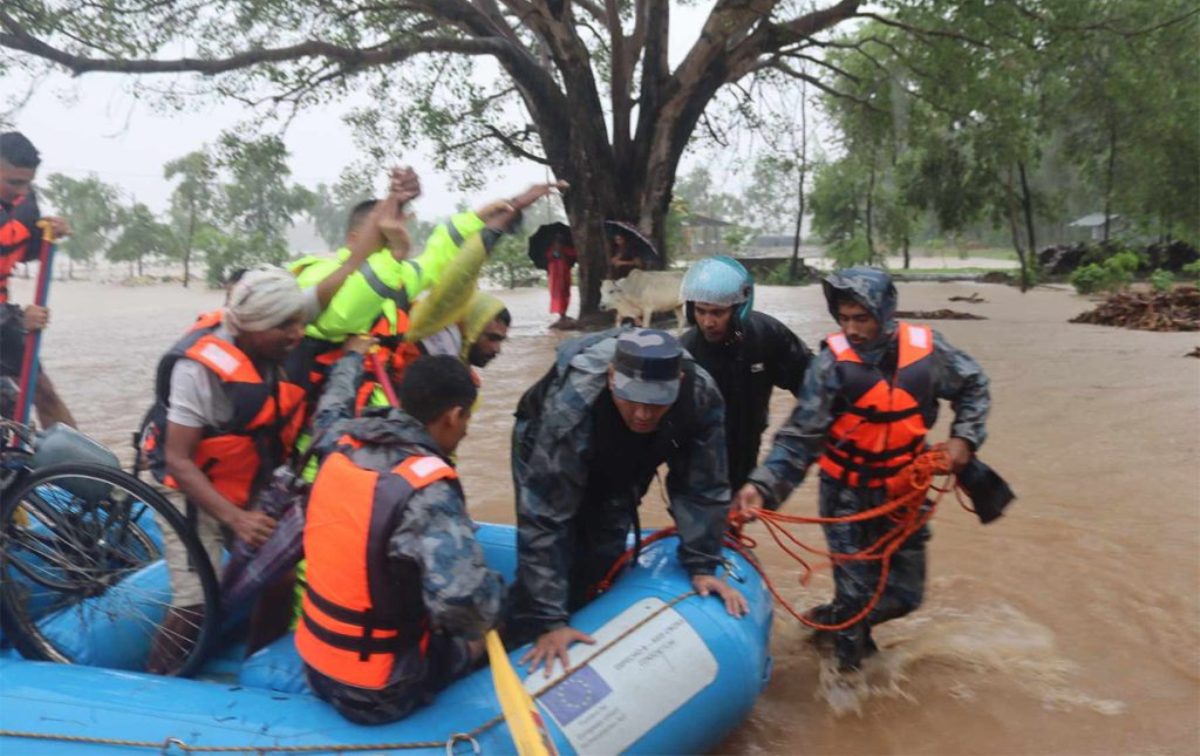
[{"x": 264, "y": 298}]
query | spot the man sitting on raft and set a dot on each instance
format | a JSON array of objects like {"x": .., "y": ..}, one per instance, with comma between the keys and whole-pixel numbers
[{"x": 398, "y": 600}]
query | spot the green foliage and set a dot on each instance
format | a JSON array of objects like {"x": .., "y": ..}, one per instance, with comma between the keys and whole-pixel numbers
[
  {"x": 1125, "y": 262},
  {"x": 1091, "y": 278},
  {"x": 735, "y": 237},
  {"x": 1162, "y": 280},
  {"x": 1114, "y": 273},
  {"x": 141, "y": 236},
  {"x": 509, "y": 263},
  {"x": 1192, "y": 270},
  {"x": 849, "y": 252},
  {"x": 1028, "y": 277},
  {"x": 835, "y": 200},
  {"x": 92, "y": 208},
  {"x": 781, "y": 275},
  {"x": 256, "y": 204},
  {"x": 192, "y": 217}
]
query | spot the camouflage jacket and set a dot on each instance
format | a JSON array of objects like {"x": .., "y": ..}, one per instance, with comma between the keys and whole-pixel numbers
[
  {"x": 551, "y": 457},
  {"x": 801, "y": 440},
  {"x": 462, "y": 594}
]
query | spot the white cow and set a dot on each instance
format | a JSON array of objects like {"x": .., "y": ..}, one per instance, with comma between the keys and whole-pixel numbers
[{"x": 643, "y": 293}]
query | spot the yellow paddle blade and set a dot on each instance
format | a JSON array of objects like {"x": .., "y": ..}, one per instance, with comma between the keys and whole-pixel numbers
[
  {"x": 524, "y": 722},
  {"x": 447, "y": 302}
]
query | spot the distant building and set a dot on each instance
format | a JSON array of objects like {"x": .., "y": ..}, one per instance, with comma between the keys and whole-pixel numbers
[
  {"x": 704, "y": 236},
  {"x": 1094, "y": 224}
]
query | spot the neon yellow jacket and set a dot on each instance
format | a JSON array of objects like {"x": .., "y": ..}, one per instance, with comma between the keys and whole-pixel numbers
[{"x": 383, "y": 284}]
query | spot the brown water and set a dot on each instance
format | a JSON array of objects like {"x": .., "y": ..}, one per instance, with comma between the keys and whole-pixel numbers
[{"x": 1070, "y": 626}]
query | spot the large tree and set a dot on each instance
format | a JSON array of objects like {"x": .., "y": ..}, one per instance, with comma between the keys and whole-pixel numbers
[{"x": 586, "y": 85}]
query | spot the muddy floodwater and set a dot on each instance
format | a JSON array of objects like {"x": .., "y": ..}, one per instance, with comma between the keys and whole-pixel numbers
[{"x": 1071, "y": 626}]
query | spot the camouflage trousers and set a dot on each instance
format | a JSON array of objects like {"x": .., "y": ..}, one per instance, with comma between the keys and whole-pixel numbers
[{"x": 855, "y": 582}]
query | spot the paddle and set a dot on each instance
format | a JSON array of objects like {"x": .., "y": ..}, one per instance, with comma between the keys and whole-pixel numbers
[
  {"x": 524, "y": 722},
  {"x": 33, "y": 339}
]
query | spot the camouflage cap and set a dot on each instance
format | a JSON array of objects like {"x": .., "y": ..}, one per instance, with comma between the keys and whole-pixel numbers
[{"x": 647, "y": 366}]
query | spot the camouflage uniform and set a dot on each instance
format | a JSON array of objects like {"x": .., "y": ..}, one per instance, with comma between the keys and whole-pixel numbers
[
  {"x": 800, "y": 442},
  {"x": 462, "y": 595},
  {"x": 571, "y": 528}
]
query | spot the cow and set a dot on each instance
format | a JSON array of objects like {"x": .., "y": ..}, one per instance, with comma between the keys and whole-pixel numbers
[{"x": 643, "y": 293}]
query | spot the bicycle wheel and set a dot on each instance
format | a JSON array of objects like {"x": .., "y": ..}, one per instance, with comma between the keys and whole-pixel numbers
[{"x": 82, "y": 578}]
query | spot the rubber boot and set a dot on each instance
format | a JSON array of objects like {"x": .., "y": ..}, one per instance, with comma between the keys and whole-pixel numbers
[
  {"x": 822, "y": 614},
  {"x": 853, "y": 645}
]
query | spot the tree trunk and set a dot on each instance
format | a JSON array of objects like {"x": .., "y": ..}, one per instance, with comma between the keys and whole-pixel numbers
[
  {"x": 871, "y": 210},
  {"x": 1108, "y": 184},
  {"x": 907, "y": 256},
  {"x": 139, "y": 266},
  {"x": 1027, "y": 206},
  {"x": 794, "y": 271},
  {"x": 1013, "y": 226}
]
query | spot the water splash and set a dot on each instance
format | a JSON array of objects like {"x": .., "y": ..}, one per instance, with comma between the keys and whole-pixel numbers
[{"x": 976, "y": 648}]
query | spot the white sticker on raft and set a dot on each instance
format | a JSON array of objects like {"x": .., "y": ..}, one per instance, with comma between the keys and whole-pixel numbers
[{"x": 630, "y": 688}]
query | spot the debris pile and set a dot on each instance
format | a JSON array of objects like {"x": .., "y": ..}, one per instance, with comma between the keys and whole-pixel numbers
[
  {"x": 1176, "y": 310},
  {"x": 938, "y": 315},
  {"x": 973, "y": 298}
]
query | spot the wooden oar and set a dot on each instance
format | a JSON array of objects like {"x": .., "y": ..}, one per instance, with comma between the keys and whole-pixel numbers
[{"x": 33, "y": 339}]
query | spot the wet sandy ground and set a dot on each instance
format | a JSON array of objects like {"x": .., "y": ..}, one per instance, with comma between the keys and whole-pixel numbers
[{"x": 1070, "y": 626}]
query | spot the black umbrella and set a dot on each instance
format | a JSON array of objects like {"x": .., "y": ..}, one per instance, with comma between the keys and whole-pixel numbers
[
  {"x": 638, "y": 244},
  {"x": 544, "y": 237}
]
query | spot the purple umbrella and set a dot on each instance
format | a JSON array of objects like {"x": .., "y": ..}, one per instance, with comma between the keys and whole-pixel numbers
[{"x": 249, "y": 571}]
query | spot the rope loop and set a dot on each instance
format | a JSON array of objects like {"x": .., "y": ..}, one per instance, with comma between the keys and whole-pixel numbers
[{"x": 461, "y": 737}]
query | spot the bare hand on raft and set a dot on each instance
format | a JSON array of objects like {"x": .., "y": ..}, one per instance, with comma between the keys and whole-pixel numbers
[{"x": 554, "y": 644}]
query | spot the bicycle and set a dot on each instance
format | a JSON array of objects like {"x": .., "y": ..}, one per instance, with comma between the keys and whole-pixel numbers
[{"x": 82, "y": 574}]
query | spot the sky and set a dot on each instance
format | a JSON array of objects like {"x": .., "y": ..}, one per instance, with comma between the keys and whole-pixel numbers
[{"x": 93, "y": 124}]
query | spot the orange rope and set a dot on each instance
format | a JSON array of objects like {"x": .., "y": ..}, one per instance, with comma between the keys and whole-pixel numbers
[{"x": 908, "y": 492}]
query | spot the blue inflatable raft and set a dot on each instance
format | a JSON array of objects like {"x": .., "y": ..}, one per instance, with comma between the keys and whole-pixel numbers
[{"x": 667, "y": 675}]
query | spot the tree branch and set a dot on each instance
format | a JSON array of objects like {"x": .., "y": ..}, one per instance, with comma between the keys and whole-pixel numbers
[
  {"x": 16, "y": 38},
  {"x": 784, "y": 68},
  {"x": 508, "y": 140},
  {"x": 595, "y": 11},
  {"x": 923, "y": 32},
  {"x": 1103, "y": 26}
]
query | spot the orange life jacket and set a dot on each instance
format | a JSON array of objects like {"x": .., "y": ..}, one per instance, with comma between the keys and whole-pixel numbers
[
  {"x": 16, "y": 234},
  {"x": 361, "y": 609},
  {"x": 395, "y": 360},
  {"x": 267, "y": 416},
  {"x": 882, "y": 423},
  {"x": 210, "y": 319}
]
